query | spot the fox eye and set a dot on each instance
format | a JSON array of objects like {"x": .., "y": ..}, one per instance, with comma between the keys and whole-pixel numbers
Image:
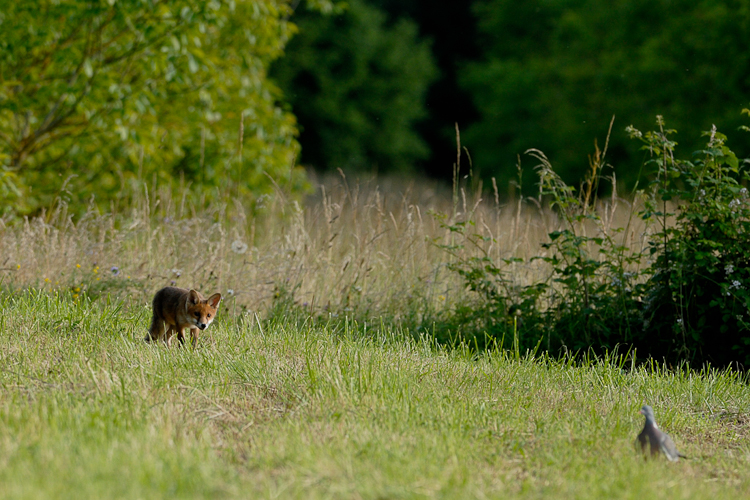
[
  {"x": 209, "y": 315},
  {"x": 197, "y": 315}
]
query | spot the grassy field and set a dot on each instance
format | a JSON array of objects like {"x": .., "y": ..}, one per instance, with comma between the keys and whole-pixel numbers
[
  {"x": 263, "y": 410},
  {"x": 274, "y": 405}
]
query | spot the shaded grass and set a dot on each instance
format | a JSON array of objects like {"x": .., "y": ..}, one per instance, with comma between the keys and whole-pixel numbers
[{"x": 274, "y": 410}]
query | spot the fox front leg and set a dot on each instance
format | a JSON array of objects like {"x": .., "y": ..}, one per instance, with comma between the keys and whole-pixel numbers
[
  {"x": 194, "y": 332},
  {"x": 170, "y": 333}
]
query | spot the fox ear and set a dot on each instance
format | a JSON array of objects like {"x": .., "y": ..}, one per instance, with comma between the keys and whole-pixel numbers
[
  {"x": 214, "y": 300},
  {"x": 193, "y": 297}
]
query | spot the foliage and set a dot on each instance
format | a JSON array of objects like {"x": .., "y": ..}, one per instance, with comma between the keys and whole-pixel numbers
[
  {"x": 95, "y": 96},
  {"x": 684, "y": 299},
  {"x": 595, "y": 281},
  {"x": 357, "y": 86},
  {"x": 697, "y": 300},
  {"x": 589, "y": 300},
  {"x": 502, "y": 313},
  {"x": 553, "y": 71}
]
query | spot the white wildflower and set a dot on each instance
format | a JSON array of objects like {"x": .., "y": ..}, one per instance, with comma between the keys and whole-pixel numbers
[{"x": 239, "y": 247}]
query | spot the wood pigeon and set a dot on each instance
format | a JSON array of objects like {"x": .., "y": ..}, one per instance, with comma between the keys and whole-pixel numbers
[{"x": 660, "y": 442}]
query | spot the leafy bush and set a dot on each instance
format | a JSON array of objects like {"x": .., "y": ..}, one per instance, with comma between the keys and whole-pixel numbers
[
  {"x": 697, "y": 301},
  {"x": 95, "y": 96},
  {"x": 501, "y": 313},
  {"x": 593, "y": 299},
  {"x": 684, "y": 297},
  {"x": 590, "y": 296}
]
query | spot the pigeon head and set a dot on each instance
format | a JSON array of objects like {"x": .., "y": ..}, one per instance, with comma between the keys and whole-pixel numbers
[{"x": 647, "y": 412}]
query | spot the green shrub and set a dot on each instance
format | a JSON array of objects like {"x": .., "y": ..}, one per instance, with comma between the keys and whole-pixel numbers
[
  {"x": 97, "y": 97},
  {"x": 589, "y": 298},
  {"x": 684, "y": 298},
  {"x": 499, "y": 312},
  {"x": 696, "y": 301}
]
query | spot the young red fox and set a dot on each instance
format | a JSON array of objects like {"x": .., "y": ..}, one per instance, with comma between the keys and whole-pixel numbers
[{"x": 176, "y": 309}]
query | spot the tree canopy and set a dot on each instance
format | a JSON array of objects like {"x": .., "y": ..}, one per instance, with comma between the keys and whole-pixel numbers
[
  {"x": 357, "y": 85},
  {"x": 554, "y": 72},
  {"x": 98, "y": 96},
  {"x": 94, "y": 95}
]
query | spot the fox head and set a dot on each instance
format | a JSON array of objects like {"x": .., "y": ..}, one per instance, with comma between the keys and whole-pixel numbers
[{"x": 202, "y": 311}]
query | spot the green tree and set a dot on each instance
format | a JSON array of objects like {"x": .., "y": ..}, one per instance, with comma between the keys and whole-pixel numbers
[
  {"x": 357, "y": 86},
  {"x": 555, "y": 71},
  {"x": 99, "y": 94}
]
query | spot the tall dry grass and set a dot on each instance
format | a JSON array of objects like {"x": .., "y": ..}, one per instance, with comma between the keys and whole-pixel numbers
[{"x": 373, "y": 244}]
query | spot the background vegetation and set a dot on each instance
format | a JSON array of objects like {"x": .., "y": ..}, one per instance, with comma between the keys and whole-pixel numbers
[
  {"x": 550, "y": 74},
  {"x": 553, "y": 72},
  {"x": 378, "y": 86},
  {"x": 95, "y": 96},
  {"x": 357, "y": 86}
]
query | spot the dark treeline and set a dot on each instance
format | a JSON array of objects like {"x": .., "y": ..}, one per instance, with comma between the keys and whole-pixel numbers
[
  {"x": 546, "y": 74},
  {"x": 451, "y": 28}
]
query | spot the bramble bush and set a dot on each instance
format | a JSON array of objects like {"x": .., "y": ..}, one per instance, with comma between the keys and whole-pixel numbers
[
  {"x": 696, "y": 299},
  {"x": 589, "y": 299},
  {"x": 683, "y": 297}
]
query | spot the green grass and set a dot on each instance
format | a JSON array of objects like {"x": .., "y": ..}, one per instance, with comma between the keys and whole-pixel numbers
[{"x": 88, "y": 410}]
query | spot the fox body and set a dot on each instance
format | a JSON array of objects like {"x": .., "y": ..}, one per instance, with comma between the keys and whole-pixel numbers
[{"x": 176, "y": 309}]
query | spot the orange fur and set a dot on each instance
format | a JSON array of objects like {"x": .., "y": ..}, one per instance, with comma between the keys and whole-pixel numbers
[{"x": 176, "y": 309}]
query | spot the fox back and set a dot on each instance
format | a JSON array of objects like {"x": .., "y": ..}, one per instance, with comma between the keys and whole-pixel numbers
[{"x": 176, "y": 309}]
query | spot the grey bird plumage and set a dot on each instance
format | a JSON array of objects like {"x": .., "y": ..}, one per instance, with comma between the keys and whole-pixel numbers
[{"x": 659, "y": 441}]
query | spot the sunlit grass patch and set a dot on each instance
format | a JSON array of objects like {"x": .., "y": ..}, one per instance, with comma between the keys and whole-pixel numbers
[{"x": 264, "y": 409}]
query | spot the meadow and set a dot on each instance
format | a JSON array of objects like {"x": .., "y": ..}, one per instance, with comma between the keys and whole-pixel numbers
[
  {"x": 274, "y": 410},
  {"x": 368, "y": 248},
  {"x": 314, "y": 382}
]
